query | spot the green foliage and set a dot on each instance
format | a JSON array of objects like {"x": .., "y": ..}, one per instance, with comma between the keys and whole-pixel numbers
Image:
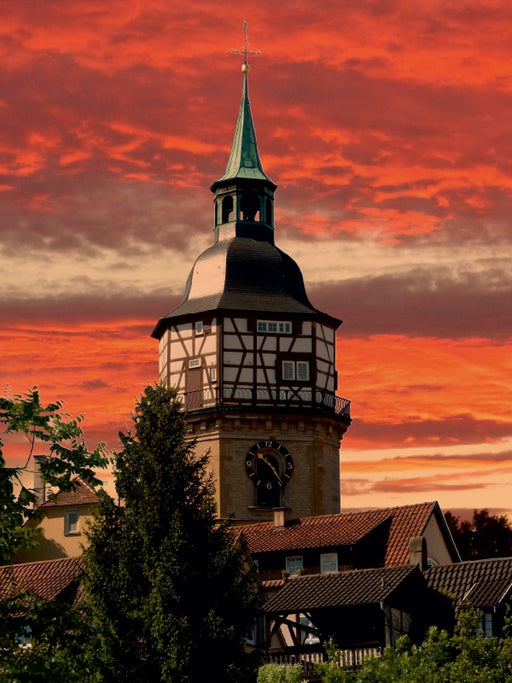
[
  {"x": 484, "y": 536},
  {"x": 331, "y": 671},
  {"x": 43, "y": 642},
  {"x": 166, "y": 585},
  {"x": 280, "y": 673},
  {"x": 45, "y": 426},
  {"x": 443, "y": 658},
  {"x": 39, "y": 641}
]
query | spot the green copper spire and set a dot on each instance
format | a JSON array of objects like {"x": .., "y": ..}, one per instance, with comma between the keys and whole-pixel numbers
[{"x": 244, "y": 160}]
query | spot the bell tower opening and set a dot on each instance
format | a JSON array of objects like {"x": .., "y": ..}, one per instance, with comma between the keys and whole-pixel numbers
[
  {"x": 250, "y": 207},
  {"x": 227, "y": 209}
]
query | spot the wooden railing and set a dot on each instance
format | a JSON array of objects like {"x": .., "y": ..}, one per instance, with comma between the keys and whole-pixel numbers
[
  {"x": 230, "y": 398},
  {"x": 348, "y": 659}
]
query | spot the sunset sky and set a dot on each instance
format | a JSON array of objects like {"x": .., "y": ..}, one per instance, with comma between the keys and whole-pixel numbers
[{"x": 386, "y": 125}]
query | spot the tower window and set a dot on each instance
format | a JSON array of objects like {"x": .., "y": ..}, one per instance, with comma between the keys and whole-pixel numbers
[
  {"x": 302, "y": 369},
  {"x": 227, "y": 209},
  {"x": 274, "y": 326},
  {"x": 250, "y": 207},
  {"x": 292, "y": 370}
]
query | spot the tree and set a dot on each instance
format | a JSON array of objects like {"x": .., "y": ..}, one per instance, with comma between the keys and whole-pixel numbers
[
  {"x": 165, "y": 582},
  {"x": 45, "y": 426},
  {"x": 53, "y": 633},
  {"x": 484, "y": 536}
]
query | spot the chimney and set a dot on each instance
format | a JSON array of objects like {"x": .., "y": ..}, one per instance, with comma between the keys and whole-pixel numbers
[
  {"x": 418, "y": 552},
  {"x": 280, "y": 517},
  {"x": 39, "y": 486}
]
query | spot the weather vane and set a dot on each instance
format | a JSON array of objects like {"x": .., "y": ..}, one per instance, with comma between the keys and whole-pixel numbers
[{"x": 245, "y": 52}]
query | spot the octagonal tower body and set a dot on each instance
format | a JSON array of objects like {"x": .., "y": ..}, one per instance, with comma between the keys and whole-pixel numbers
[{"x": 254, "y": 361}]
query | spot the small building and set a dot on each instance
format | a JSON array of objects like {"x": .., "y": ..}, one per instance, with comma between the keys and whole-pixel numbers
[
  {"x": 484, "y": 584},
  {"x": 361, "y": 611},
  {"x": 349, "y": 540},
  {"x": 63, "y": 522}
]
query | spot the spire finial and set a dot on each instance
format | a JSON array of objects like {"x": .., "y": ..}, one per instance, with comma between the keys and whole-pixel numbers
[{"x": 245, "y": 52}]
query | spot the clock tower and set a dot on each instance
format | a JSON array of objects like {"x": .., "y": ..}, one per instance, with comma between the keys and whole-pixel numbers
[{"x": 254, "y": 360}]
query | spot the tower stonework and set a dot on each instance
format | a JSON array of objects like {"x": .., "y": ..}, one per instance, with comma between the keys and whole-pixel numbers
[{"x": 254, "y": 361}]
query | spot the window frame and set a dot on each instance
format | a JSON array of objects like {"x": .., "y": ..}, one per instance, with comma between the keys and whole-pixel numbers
[
  {"x": 290, "y": 563},
  {"x": 295, "y": 370},
  {"x": 325, "y": 558},
  {"x": 274, "y": 327},
  {"x": 72, "y": 528}
]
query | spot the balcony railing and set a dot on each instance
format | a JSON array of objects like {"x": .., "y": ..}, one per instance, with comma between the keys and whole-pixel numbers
[
  {"x": 348, "y": 658},
  {"x": 235, "y": 398}
]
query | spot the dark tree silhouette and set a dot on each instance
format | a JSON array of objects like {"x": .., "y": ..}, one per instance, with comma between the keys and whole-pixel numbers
[
  {"x": 168, "y": 591},
  {"x": 484, "y": 536}
]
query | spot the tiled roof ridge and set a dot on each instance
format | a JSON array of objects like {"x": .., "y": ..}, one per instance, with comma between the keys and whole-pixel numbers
[
  {"x": 356, "y": 570},
  {"x": 82, "y": 482},
  {"x": 312, "y": 519},
  {"x": 460, "y": 566},
  {"x": 64, "y": 560},
  {"x": 80, "y": 489}
]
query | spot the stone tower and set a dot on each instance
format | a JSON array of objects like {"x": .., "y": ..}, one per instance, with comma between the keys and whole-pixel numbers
[{"x": 253, "y": 359}]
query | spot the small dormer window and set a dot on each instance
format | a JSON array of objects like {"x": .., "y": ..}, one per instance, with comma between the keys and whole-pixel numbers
[{"x": 72, "y": 523}]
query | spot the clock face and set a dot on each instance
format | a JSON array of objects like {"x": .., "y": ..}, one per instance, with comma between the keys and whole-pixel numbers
[{"x": 269, "y": 465}]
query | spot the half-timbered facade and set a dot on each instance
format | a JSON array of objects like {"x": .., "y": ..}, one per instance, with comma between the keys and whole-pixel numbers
[{"x": 254, "y": 360}]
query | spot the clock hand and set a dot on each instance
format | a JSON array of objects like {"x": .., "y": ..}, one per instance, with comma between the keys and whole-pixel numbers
[{"x": 267, "y": 462}]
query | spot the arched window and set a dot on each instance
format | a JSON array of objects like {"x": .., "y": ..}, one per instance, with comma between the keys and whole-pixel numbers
[{"x": 227, "y": 209}]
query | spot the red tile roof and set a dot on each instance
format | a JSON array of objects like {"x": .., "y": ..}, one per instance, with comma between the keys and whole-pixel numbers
[
  {"x": 484, "y": 583},
  {"x": 48, "y": 579},
  {"x": 346, "y": 528},
  {"x": 80, "y": 494},
  {"x": 359, "y": 587}
]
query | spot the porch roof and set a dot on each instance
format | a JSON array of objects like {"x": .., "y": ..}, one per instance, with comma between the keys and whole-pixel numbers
[{"x": 359, "y": 587}]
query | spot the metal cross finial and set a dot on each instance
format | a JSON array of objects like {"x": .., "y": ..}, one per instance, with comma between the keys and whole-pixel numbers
[{"x": 245, "y": 52}]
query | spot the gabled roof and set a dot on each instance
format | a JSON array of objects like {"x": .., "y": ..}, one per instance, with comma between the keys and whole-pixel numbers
[
  {"x": 80, "y": 494},
  {"x": 346, "y": 528},
  {"x": 48, "y": 579},
  {"x": 359, "y": 587},
  {"x": 484, "y": 583}
]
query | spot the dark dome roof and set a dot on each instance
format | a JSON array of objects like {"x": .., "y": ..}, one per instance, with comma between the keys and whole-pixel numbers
[{"x": 241, "y": 273}]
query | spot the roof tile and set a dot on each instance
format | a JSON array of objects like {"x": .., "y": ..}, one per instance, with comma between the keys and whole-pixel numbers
[
  {"x": 80, "y": 494},
  {"x": 365, "y": 586},
  {"x": 345, "y": 528},
  {"x": 47, "y": 579},
  {"x": 484, "y": 583}
]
